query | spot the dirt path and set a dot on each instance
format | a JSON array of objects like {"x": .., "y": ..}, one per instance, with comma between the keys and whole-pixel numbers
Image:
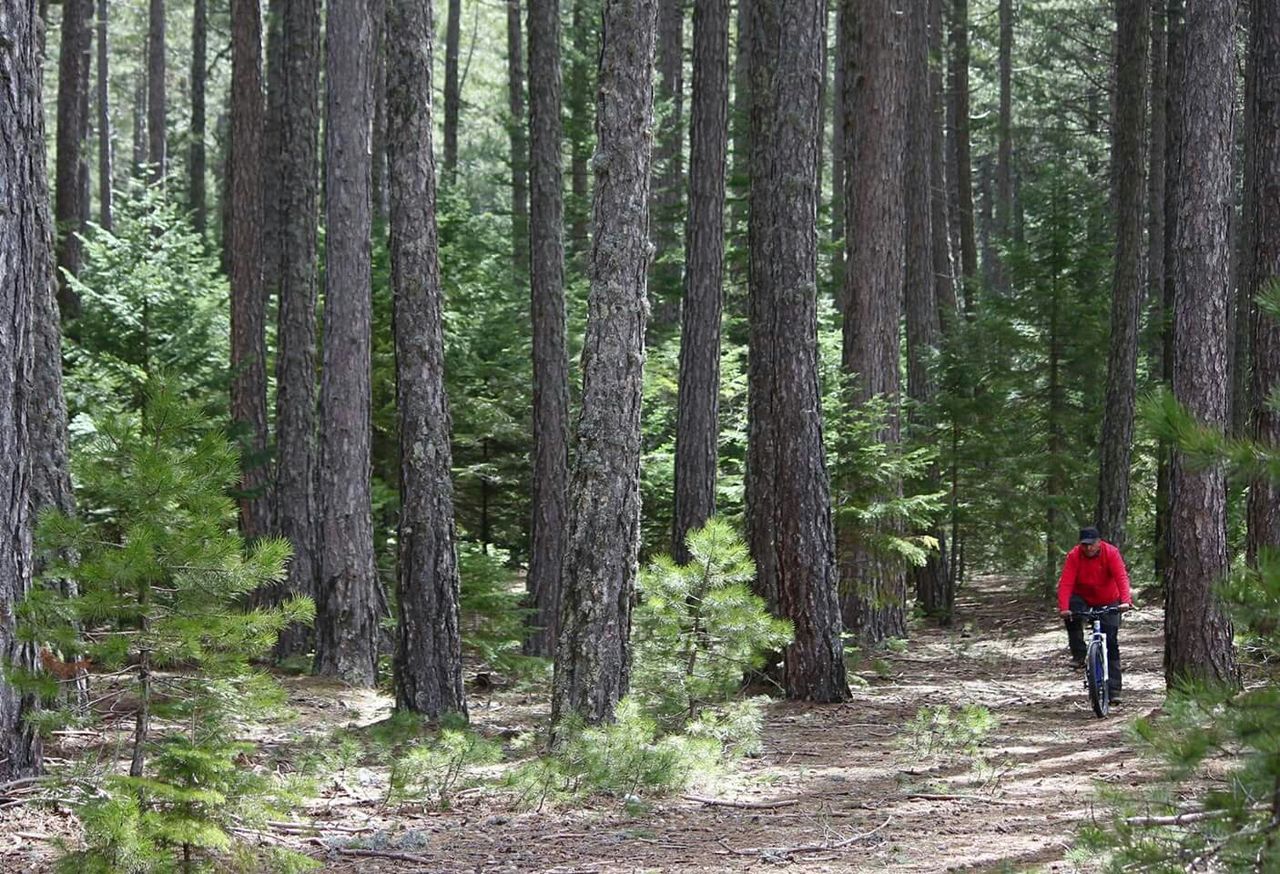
[{"x": 841, "y": 773}]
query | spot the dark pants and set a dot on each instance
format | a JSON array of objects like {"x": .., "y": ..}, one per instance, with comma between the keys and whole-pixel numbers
[{"x": 1110, "y": 627}]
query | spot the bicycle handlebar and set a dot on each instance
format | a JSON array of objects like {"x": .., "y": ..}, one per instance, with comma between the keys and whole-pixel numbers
[{"x": 1095, "y": 612}]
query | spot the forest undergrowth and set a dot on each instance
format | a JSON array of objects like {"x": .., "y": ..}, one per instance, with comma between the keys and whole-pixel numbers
[{"x": 975, "y": 749}]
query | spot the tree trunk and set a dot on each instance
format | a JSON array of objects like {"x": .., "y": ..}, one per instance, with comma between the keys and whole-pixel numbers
[
  {"x": 347, "y": 614},
  {"x": 379, "y": 178},
  {"x": 519, "y": 148},
  {"x": 788, "y": 491},
  {"x": 839, "y": 106},
  {"x": 72, "y": 159},
  {"x": 1264, "y": 496},
  {"x": 104, "y": 124},
  {"x": 248, "y": 297},
  {"x": 924, "y": 332},
  {"x": 1004, "y": 145},
  {"x": 961, "y": 148},
  {"x": 1243, "y": 236},
  {"x": 199, "y": 71},
  {"x": 740, "y": 129},
  {"x": 24, "y": 267},
  {"x": 295, "y": 479},
  {"x": 1175, "y": 25},
  {"x": 1156, "y": 182},
  {"x": 668, "y": 165},
  {"x": 585, "y": 17},
  {"x": 156, "y": 110},
  {"x": 1128, "y": 166},
  {"x": 698, "y": 397},
  {"x": 547, "y": 312},
  {"x": 272, "y": 145},
  {"x": 593, "y": 658},
  {"x": 944, "y": 271},
  {"x": 1197, "y": 629},
  {"x": 874, "y": 595},
  {"x": 140, "y": 127},
  {"x": 452, "y": 96},
  {"x": 428, "y": 666}
]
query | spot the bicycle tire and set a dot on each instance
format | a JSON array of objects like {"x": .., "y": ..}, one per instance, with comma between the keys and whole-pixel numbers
[{"x": 1099, "y": 696}]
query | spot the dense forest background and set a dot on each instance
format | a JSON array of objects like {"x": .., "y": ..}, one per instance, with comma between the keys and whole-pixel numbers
[{"x": 631, "y": 353}]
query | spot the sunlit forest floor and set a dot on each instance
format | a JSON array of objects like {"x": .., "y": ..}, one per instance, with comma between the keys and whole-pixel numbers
[{"x": 868, "y": 785}]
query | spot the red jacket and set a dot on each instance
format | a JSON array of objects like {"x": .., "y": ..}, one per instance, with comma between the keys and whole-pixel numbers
[{"x": 1100, "y": 580}]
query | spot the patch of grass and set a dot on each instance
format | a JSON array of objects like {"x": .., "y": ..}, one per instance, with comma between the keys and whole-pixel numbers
[{"x": 946, "y": 732}]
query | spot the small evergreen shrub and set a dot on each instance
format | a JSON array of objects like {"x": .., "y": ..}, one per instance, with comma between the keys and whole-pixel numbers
[
  {"x": 430, "y": 773},
  {"x": 628, "y": 758},
  {"x": 162, "y": 576},
  {"x": 944, "y": 732},
  {"x": 699, "y": 628}
]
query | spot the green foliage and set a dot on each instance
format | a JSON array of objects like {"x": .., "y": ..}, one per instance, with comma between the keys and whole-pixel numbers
[
  {"x": 153, "y": 301},
  {"x": 628, "y": 758},
  {"x": 880, "y": 497},
  {"x": 430, "y": 772},
  {"x": 699, "y": 628},
  {"x": 163, "y": 576},
  {"x": 1219, "y": 745},
  {"x": 492, "y": 612},
  {"x": 945, "y": 732}
]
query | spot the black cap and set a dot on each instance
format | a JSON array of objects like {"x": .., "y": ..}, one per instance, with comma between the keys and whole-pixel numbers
[{"x": 1089, "y": 535}]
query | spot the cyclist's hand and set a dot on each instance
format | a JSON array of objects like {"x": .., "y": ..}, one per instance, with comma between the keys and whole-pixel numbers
[
  {"x": 1125, "y": 608},
  {"x": 1065, "y": 614}
]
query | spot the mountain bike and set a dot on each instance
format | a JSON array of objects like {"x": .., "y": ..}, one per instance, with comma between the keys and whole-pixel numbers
[{"x": 1096, "y": 672}]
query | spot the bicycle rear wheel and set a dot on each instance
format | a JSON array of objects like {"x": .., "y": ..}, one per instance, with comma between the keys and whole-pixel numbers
[{"x": 1096, "y": 681}]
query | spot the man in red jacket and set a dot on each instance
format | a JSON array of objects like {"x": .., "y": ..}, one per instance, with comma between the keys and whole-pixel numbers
[{"x": 1094, "y": 576}]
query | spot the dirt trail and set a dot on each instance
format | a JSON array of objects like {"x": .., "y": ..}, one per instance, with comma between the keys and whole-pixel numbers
[{"x": 837, "y": 773}]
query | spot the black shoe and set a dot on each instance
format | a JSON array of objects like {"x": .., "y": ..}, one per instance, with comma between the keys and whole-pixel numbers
[
  {"x": 1116, "y": 699},
  {"x": 1077, "y": 662}
]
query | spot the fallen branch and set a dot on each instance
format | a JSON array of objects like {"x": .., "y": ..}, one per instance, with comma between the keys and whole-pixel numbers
[
  {"x": 1184, "y": 818},
  {"x": 744, "y": 805},
  {"x": 805, "y": 848},
  {"x": 927, "y": 796},
  {"x": 386, "y": 854}
]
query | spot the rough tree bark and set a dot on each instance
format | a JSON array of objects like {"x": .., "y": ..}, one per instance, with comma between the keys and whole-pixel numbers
[
  {"x": 668, "y": 166},
  {"x": 519, "y": 148},
  {"x": 1156, "y": 182},
  {"x": 547, "y": 312},
  {"x": 452, "y": 96},
  {"x": 295, "y": 477},
  {"x": 347, "y": 613},
  {"x": 428, "y": 664},
  {"x": 788, "y": 492},
  {"x": 1197, "y": 629},
  {"x": 740, "y": 130},
  {"x": 378, "y": 174},
  {"x": 1128, "y": 179},
  {"x": 272, "y": 145},
  {"x": 963, "y": 152},
  {"x": 157, "y": 155},
  {"x": 944, "y": 270},
  {"x": 248, "y": 297},
  {"x": 1264, "y": 497},
  {"x": 874, "y": 588},
  {"x": 197, "y": 168},
  {"x": 582, "y": 57},
  {"x": 698, "y": 398},
  {"x": 1005, "y": 124},
  {"x": 1174, "y": 25},
  {"x": 23, "y": 266},
  {"x": 104, "y": 124},
  {"x": 72, "y": 158},
  {"x": 924, "y": 331},
  {"x": 593, "y": 657}
]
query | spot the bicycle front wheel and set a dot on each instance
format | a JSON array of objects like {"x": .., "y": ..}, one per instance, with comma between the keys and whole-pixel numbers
[{"x": 1096, "y": 680}]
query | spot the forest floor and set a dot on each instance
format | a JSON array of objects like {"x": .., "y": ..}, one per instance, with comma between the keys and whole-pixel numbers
[{"x": 849, "y": 787}]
